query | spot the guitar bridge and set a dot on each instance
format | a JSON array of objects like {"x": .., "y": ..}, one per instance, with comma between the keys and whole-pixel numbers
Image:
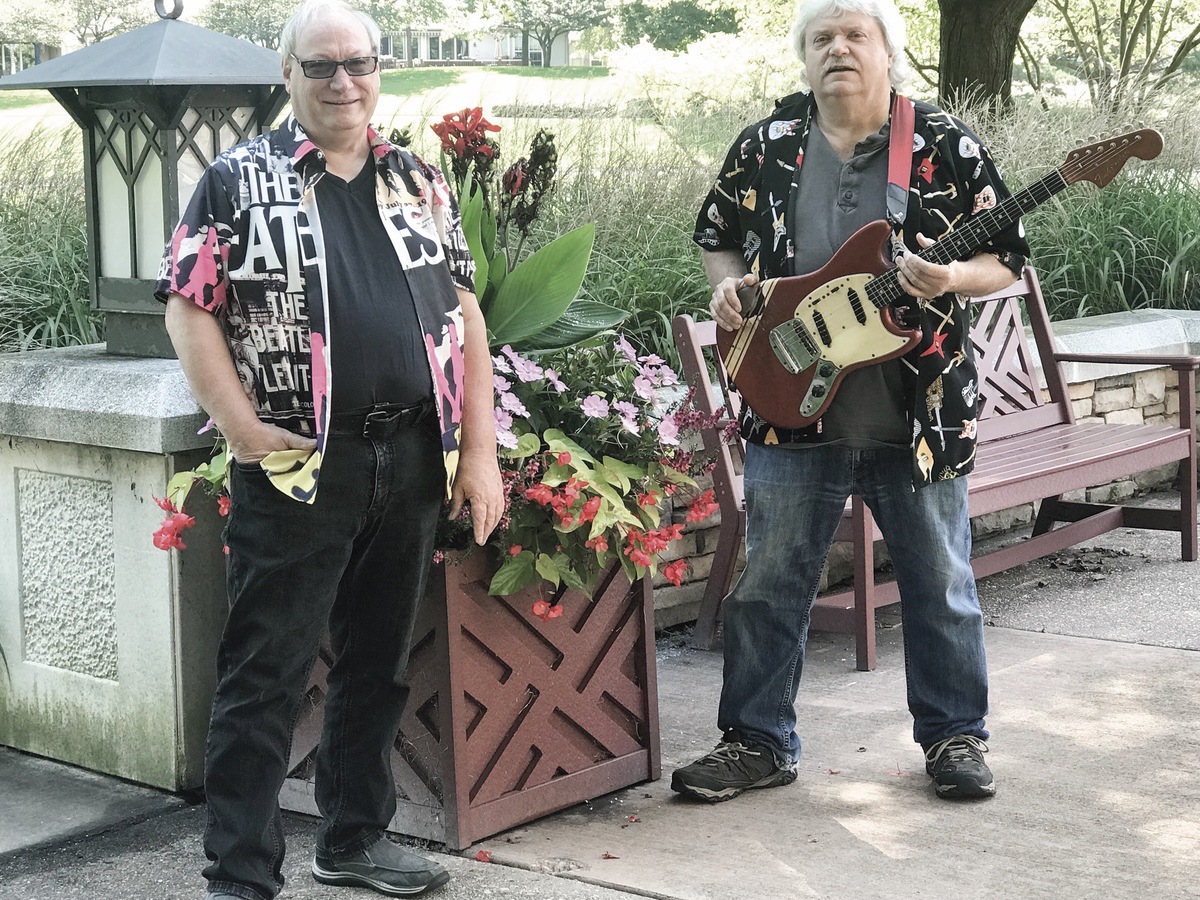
[{"x": 794, "y": 347}]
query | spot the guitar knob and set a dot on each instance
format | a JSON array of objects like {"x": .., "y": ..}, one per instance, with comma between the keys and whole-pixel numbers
[
  {"x": 825, "y": 369},
  {"x": 818, "y": 390}
]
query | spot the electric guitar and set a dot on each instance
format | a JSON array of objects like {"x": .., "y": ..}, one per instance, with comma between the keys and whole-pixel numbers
[{"x": 806, "y": 332}]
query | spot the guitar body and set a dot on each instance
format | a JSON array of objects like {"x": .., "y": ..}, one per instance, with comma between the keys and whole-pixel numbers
[{"x": 810, "y": 331}]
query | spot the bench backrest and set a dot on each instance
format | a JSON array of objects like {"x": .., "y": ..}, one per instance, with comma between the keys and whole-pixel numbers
[{"x": 1010, "y": 397}]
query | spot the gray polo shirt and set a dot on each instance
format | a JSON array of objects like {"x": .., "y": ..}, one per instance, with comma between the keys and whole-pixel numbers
[{"x": 835, "y": 199}]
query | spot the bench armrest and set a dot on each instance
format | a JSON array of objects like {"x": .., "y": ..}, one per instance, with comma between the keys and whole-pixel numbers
[{"x": 1179, "y": 363}]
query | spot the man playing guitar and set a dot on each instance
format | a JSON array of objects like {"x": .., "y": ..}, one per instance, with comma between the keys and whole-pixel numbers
[{"x": 900, "y": 433}]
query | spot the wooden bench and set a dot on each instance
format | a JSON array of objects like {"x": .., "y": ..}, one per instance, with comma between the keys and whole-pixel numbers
[{"x": 1030, "y": 449}]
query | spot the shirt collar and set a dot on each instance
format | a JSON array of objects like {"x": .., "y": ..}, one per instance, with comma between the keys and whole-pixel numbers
[{"x": 297, "y": 146}]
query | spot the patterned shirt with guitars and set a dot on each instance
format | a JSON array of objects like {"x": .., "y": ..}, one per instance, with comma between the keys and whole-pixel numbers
[{"x": 953, "y": 178}]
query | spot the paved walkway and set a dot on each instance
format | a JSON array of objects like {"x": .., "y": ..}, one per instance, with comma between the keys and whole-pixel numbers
[{"x": 1094, "y": 710}]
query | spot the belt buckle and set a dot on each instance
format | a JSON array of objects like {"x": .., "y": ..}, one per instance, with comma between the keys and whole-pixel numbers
[{"x": 380, "y": 421}]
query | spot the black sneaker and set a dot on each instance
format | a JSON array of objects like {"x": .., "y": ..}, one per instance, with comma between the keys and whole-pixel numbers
[
  {"x": 732, "y": 768},
  {"x": 384, "y": 867},
  {"x": 957, "y": 768}
]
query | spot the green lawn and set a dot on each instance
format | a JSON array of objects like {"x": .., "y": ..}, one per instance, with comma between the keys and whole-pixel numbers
[
  {"x": 21, "y": 99},
  {"x": 403, "y": 82},
  {"x": 555, "y": 72}
]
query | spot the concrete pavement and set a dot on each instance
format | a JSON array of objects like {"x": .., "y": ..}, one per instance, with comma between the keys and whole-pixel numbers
[{"x": 1094, "y": 666}]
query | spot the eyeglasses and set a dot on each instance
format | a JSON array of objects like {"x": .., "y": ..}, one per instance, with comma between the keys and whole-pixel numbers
[{"x": 327, "y": 68}]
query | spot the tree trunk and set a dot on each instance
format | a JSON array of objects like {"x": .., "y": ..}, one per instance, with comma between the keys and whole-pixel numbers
[
  {"x": 978, "y": 43},
  {"x": 524, "y": 48}
]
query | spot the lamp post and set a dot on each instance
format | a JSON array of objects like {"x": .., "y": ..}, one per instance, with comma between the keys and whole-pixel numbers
[
  {"x": 156, "y": 105},
  {"x": 108, "y": 644}
]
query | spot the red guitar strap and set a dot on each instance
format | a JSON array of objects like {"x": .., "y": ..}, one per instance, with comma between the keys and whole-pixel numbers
[{"x": 900, "y": 150}]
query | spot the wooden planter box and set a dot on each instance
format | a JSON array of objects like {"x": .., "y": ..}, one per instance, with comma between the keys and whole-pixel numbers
[{"x": 510, "y": 718}]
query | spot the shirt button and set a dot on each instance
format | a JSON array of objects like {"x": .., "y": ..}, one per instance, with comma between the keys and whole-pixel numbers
[{"x": 849, "y": 195}]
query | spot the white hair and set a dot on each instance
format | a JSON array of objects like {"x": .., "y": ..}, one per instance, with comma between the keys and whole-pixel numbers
[
  {"x": 315, "y": 10},
  {"x": 895, "y": 34}
]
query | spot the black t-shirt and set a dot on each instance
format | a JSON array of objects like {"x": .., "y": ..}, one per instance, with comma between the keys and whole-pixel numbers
[{"x": 375, "y": 336}]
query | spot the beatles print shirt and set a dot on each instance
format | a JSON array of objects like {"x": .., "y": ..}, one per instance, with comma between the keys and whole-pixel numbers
[
  {"x": 953, "y": 178},
  {"x": 249, "y": 249}
]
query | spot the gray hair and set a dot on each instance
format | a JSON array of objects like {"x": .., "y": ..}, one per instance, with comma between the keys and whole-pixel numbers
[
  {"x": 891, "y": 23},
  {"x": 314, "y": 10}
]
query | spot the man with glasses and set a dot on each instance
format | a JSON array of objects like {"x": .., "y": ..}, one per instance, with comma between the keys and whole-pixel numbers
[{"x": 313, "y": 249}]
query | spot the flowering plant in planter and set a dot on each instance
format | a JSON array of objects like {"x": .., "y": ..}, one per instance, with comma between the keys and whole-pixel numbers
[
  {"x": 528, "y": 300},
  {"x": 592, "y": 441}
]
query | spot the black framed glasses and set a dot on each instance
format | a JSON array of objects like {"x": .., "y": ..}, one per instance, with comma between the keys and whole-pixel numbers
[{"x": 327, "y": 68}]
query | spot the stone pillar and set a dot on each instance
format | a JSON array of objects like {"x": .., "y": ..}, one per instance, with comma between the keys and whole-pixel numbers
[{"x": 108, "y": 644}]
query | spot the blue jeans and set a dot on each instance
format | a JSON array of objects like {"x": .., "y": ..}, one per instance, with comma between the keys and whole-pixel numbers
[
  {"x": 794, "y": 500},
  {"x": 356, "y": 561}
]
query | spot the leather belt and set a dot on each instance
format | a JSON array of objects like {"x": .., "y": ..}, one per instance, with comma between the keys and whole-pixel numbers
[{"x": 381, "y": 421}]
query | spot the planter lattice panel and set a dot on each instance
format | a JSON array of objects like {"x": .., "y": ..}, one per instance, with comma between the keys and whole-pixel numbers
[{"x": 510, "y": 718}]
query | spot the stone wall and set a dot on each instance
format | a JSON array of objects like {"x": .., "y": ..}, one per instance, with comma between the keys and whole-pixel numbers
[{"x": 1150, "y": 396}]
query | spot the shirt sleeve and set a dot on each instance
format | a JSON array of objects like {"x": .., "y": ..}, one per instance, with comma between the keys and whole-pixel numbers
[
  {"x": 718, "y": 223},
  {"x": 196, "y": 262}
]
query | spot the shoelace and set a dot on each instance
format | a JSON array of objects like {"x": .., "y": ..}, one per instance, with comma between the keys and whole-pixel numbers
[
  {"x": 728, "y": 751},
  {"x": 961, "y": 746}
]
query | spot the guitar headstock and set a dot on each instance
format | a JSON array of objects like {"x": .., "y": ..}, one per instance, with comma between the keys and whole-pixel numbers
[{"x": 1099, "y": 163}]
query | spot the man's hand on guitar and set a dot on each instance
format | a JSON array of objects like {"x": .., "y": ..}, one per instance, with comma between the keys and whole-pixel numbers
[
  {"x": 922, "y": 279},
  {"x": 726, "y": 306}
]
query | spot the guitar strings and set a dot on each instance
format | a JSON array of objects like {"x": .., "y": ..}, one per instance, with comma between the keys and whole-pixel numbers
[{"x": 884, "y": 290}]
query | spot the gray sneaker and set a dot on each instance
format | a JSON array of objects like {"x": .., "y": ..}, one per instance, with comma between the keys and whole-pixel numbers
[
  {"x": 732, "y": 768},
  {"x": 384, "y": 867},
  {"x": 957, "y": 768}
]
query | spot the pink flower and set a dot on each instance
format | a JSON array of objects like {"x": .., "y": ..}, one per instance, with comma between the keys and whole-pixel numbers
[
  {"x": 668, "y": 432},
  {"x": 504, "y": 434},
  {"x": 595, "y": 406},
  {"x": 626, "y": 349},
  {"x": 545, "y": 611},
  {"x": 164, "y": 504},
  {"x": 652, "y": 360},
  {"x": 500, "y": 384},
  {"x": 208, "y": 426},
  {"x": 563, "y": 458},
  {"x": 539, "y": 494},
  {"x": 513, "y": 404},
  {"x": 223, "y": 504},
  {"x": 514, "y": 550},
  {"x": 438, "y": 556},
  {"x": 552, "y": 377},
  {"x": 500, "y": 364},
  {"x": 523, "y": 368},
  {"x": 644, "y": 387},
  {"x": 589, "y": 510}
]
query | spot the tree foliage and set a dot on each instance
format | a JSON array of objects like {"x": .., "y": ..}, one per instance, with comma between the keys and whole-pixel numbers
[
  {"x": 675, "y": 25},
  {"x": 25, "y": 23},
  {"x": 394, "y": 16},
  {"x": 258, "y": 21},
  {"x": 545, "y": 20},
  {"x": 1125, "y": 50}
]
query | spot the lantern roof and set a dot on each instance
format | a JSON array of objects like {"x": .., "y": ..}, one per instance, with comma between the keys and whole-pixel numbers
[{"x": 167, "y": 52}]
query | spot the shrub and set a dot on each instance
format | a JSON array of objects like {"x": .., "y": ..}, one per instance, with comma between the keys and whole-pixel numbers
[{"x": 43, "y": 245}]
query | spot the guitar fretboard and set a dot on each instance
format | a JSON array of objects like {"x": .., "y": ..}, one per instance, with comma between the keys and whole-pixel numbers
[{"x": 962, "y": 243}]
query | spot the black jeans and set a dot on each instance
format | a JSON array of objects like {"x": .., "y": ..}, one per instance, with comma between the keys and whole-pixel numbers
[{"x": 358, "y": 561}]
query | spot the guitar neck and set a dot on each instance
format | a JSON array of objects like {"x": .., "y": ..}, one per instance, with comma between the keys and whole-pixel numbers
[{"x": 962, "y": 243}]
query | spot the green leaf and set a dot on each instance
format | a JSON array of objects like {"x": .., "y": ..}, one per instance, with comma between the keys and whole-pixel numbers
[
  {"x": 558, "y": 442},
  {"x": 497, "y": 272},
  {"x": 527, "y": 445},
  {"x": 517, "y": 572},
  {"x": 179, "y": 487},
  {"x": 539, "y": 289},
  {"x": 547, "y": 569},
  {"x": 583, "y": 320},
  {"x": 487, "y": 234},
  {"x": 474, "y": 218},
  {"x": 571, "y": 578},
  {"x": 616, "y": 479},
  {"x": 624, "y": 469}
]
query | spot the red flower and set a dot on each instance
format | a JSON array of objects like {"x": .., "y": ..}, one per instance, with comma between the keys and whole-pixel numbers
[
  {"x": 639, "y": 557},
  {"x": 465, "y": 133},
  {"x": 223, "y": 504},
  {"x": 540, "y": 494},
  {"x": 514, "y": 550},
  {"x": 545, "y": 611},
  {"x": 226, "y": 548},
  {"x": 167, "y": 536},
  {"x": 599, "y": 543},
  {"x": 650, "y": 498},
  {"x": 164, "y": 504},
  {"x": 589, "y": 510},
  {"x": 514, "y": 178},
  {"x": 564, "y": 458},
  {"x": 702, "y": 507},
  {"x": 674, "y": 572}
]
